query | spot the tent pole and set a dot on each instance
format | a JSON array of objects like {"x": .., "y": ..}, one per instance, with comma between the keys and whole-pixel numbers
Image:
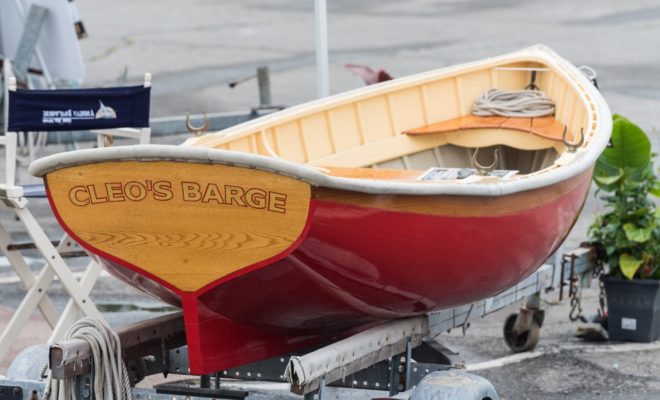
[{"x": 321, "y": 24}]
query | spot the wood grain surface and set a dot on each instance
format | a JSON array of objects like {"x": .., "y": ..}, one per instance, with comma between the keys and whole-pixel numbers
[
  {"x": 456, "y": 206},
  {"x": 188, "y": 224},
  {"x": 546, "y": 127}
]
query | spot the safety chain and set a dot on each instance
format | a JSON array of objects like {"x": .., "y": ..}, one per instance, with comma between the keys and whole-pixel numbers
[
  {"x": 574, "y": 294},
  {"x": 574, "y": 284},
  {"x": 573, "y": 288},
  {"x": 600, "y": 274}
]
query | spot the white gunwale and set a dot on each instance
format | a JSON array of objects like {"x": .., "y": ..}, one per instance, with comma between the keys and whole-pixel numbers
[{"x": 568, "y": 165}]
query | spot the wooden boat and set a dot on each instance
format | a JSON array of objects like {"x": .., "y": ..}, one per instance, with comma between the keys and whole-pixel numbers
[{"x": 298, "y": 227}]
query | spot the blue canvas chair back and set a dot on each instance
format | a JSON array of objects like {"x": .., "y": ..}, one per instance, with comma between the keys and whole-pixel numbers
[{"x": 78, "y": 109}]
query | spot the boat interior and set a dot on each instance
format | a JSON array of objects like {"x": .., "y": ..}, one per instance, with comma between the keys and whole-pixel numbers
[{"x": 400, "y": 132}]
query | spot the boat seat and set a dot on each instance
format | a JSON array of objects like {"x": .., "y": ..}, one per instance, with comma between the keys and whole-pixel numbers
[{"x": 546, "y": 127}]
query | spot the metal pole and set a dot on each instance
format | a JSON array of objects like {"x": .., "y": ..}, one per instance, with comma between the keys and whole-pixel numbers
[
  {"x": 394, "y": 375},
  {"x": 263, "y": 79},
  {"x": 322, "y": 388},
  {"x": 321, "y": 24},
  {"x": 408, "y": 363}
]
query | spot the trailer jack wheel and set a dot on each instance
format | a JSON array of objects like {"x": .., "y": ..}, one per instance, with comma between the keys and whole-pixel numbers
[{"x": 521, "y": 332}]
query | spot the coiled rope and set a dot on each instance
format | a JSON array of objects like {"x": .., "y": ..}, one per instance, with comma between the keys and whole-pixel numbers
[
  {"x": 517, "y": 103},
  {"x": 111, "y": 380}
]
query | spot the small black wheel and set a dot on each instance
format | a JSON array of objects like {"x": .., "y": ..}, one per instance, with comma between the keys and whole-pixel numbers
[{"x": 524, "y": 341}]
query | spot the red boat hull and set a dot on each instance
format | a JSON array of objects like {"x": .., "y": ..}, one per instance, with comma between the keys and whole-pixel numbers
[{"x": 368, "y": 258}]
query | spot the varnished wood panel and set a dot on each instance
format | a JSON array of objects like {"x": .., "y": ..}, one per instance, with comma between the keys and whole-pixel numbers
[
  {"x": 375, "y": 128},
  {"x": 546, "y": 127},
  {"x": 188, "y": 224},
  {"x": 344, "y": 127},
  {"x": 455, "y": 206},
  {"x": 407, "y": 109},
  {"x": 373, "y": 173},
  {"x": 315, "y": 133},
  {"x": 290, "y": 147}
]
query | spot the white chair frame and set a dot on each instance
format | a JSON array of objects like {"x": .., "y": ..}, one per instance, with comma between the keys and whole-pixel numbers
[{"x": 12, "y": 198}]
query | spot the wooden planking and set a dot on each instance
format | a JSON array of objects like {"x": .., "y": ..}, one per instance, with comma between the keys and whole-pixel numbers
[
  {"x": 407, "y": 109},
  {"x": 424, "y": 102},
  {"x": 544, "y": 81},
  {"x": 315, "y": 133},
  {"x": 454, "y": 157},
  {"x": 458, "y": 206},
  {"x": 243, "y": 144},
  {"x": 358, "y": 120},
  {"x": 301, "y": 138},
  {"x": 494, "y": 78},
  {"x": 379, "y": 151},
  {"x": 396, "y": 163},
  {"x": 344, "y": 127},
  {"x": 262, "y": 147},
  {"x": 200, "y": 240},
  {"x": 570, "y": 109},
  {"x": 470, "y": 87},
  {"x": 288, "y": 141},
  {"x": 401, "y": 145},
  {"x": 479, "y": 76},
  {"x": 562, "y": 111},
  {"x": 564, "y": 106},
  {"x": 512, "y": 80},
  {"x": 580, "y": 120},
  {"x": 355, "y": 131},
  {"x": 573, "y": 122},
  {"x": 254, "y": 144},
  {"x": 371, "y": 173},
  {"x": 375, "y": 123},
  {"x": 440, "y": 97},
  {"x": 552, "y": 86},
  {"x": 422, "y": 160}
]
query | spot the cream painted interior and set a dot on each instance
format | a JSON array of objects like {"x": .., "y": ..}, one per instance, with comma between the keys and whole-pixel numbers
[{"x": 364, "y": 128}]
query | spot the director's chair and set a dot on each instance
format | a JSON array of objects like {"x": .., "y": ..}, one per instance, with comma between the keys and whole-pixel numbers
[{"x": 112, "y": 110}]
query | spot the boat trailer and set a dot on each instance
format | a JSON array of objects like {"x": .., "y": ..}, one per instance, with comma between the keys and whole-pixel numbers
[{"x": 400, "y": 357}]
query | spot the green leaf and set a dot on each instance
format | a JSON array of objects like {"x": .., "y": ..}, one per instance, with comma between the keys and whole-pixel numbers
[
  {"x": 655, "y": 189},
  {"x": 639, "y": 235},
  {"x": 609, "y": 180},
  {"x": 629, "y": 265},
  {"x": 630, "y": 150}
]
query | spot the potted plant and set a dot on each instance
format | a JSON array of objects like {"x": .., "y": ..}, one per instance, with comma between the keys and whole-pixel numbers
[{"x": 627, "y": 235}]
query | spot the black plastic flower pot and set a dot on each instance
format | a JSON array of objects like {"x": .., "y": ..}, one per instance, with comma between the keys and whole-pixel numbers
[{"x": 633, "y": 309}]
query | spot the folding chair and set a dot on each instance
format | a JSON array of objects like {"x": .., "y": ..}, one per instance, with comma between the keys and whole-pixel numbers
[{"x": 47, "y": 110}]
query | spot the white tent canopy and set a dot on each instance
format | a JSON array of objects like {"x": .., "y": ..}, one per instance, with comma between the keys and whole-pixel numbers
[{"x": 57, "y": 52}]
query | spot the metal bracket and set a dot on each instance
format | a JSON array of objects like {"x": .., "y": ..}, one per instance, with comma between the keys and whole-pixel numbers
[
  {"x": 145, "y": 346},
  {"x": 180, "y": 390},
  {"x": 484, "y": 169}
]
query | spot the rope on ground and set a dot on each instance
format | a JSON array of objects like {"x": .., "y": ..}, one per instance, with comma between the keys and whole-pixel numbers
[
  {"x": 111, "y": 381},
  {"x": 517, "y": 103}
]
